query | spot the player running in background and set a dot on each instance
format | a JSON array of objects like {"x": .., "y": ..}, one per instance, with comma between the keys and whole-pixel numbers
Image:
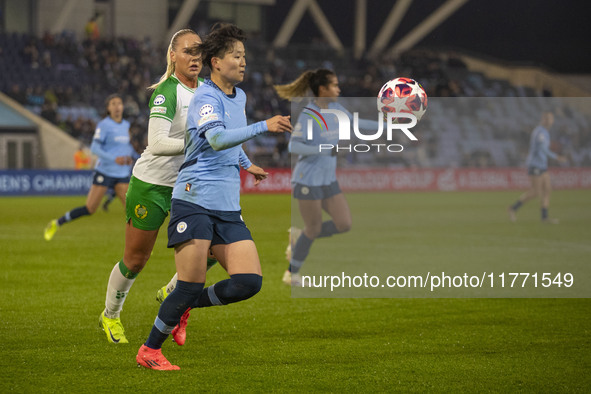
[
  {"x": 205, "y": 205},
  {"x": 150, "y": 190},
  {"x": 314, "y": 180},
  {"x": 112, "y": 146},
  {"x": 537, "y": 169}
]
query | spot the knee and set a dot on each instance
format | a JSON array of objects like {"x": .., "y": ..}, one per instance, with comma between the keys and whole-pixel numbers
[
  {"x": 135, "y": 262},
  {"x": 247, "y": 285},
  {"x": 343, "y": 226}
]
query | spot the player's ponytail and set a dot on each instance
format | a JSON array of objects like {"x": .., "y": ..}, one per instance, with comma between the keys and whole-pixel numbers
[
  {"x": 309, "y": 80},
  {"x": 169, "y": 64}
]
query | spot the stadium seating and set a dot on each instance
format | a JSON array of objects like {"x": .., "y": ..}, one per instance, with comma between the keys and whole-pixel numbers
[{"x": 66, "y": 80}]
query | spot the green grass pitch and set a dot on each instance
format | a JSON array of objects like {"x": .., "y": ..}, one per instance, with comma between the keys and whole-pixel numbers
[{"x": 53, "y": 292}]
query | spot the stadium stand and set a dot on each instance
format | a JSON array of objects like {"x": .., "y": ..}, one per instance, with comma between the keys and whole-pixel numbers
[{"x": 65, "y": 81}]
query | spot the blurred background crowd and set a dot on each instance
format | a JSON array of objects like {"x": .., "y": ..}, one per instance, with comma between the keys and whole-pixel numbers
[{"x": 65, "y": 80}]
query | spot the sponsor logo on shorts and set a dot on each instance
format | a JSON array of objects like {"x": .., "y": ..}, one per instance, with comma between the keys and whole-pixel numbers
[
  {"x": 305, "y": 190},
  {"x": 181, "y": 227},
  {"x": 100, "y": 179},
  {"x": 159, "y": 100},
  {"x": 140, "y": 211}
]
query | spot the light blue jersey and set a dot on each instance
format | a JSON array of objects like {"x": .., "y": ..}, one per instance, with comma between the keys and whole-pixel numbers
[
  {"x": 539, "y": 149},
  {"x": 111, "y": 140},
  {"x": 216, "y": 126},
  {"x": 315, "y": 168}
]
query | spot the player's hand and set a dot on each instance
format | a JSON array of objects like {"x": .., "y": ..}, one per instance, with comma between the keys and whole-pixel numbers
[
  {"x": 258, "y": 173},
  {"x": 279, "y": 124},
  {"x": 123, "y": 160}
]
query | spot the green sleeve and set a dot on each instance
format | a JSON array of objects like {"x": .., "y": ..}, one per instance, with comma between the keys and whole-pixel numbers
[{"x": 163, "y": 101}]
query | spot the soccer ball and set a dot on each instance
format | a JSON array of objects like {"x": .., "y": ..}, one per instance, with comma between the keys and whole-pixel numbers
[{"x": 403, "y": 95}]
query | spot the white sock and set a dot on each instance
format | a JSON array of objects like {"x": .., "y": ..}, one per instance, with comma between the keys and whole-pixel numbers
[
  {"x": 117, "y": 290},
  {"x": 172, "y": 284}
]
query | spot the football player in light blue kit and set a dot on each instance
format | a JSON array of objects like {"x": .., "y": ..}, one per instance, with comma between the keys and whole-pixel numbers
[
  {"x": 115, "y": 157},
  {"x": 205, "y": 200},
  {"x": 314, "y": 177},
  {"x": 537, "y": 168}
]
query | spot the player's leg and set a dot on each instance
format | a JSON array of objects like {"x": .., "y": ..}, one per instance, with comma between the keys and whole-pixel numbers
[
  {"x": 110, "y": 195},
  {"x": 338, "y": 209},
  {"x": 165, "y": 290},
  {"x": 311, "y": 213},
  {"x": 121, "y": 190},
  {"x": 144, "y": 215},
  {"x": 545, "y": 191},
  {"x": 232, "y": 243},
  {"x": 190, "y": 260},
  {"x": 533, "y": 192},
  {"x": 93, "y": 199},
  {"x": 138, "y": 247},
  {"x": 241, "y": 261}
]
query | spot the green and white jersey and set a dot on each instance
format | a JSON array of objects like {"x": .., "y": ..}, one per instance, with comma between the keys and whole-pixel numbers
[{"x": 169, "y": 103}]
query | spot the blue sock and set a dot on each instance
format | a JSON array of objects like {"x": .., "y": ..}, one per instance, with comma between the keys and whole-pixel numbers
[
  {"x": 73, "y": 214},
  {"x": 328, "y": 229},
  {"x": 184, "y": 295},
  {"x": 300, "y": 252},
  {"x": 516, "y": 206},
  {"x": 239, "y": 287},
  {"x": 544, "y": 213}
]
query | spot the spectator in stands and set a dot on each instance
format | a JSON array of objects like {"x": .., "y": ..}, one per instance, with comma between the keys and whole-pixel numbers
[
  {"x": 537, "y": 169},
  {"x": 91, "y": 29},
  {"x": 35, "y": 96},
  {"x": 17, "y": 94},
  {"x": 81, "y": 158},
  {"x": 48, "y": 111}
]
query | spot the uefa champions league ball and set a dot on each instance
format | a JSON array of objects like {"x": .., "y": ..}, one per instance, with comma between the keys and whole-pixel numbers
[{"x": 403, "y": 95}]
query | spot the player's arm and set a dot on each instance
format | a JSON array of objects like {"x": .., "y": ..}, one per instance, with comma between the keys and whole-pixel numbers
[
  {"x": 256, "y": 171},
  {"x": 221, "y": 138},
  {"x": 98, "y": 141},
  {"x": 207, "y": 116},
  {"x": 244, "y": 160},
  {"x": 162, "y": 112},
  {"x": 300, "y": 146},
  {"x": 159, "y": 141},
  {"x": 544, "y": 144}
]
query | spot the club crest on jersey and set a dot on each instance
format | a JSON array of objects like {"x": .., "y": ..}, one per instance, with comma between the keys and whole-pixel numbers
[
  {"x": 140, "y": 211},
  {"x": 206, "y": 110},
  {"x": 159, "y": 100}
]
